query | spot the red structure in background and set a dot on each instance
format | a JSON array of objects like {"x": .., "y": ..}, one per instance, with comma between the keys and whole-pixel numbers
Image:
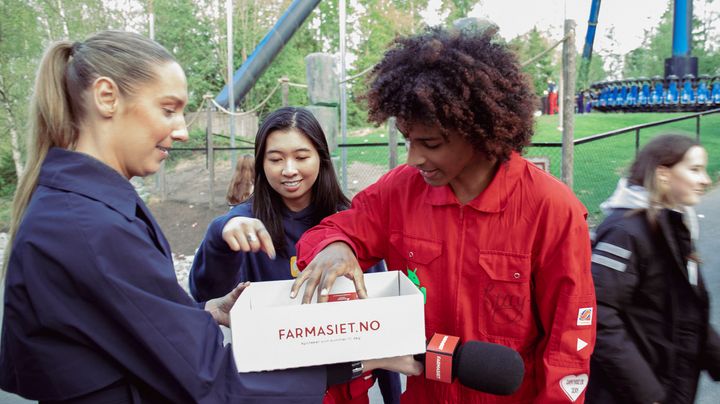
[{"x": 552, "y": 102}]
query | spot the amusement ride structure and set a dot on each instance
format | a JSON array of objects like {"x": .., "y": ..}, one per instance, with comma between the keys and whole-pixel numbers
[{"x": 681, "y": 88}]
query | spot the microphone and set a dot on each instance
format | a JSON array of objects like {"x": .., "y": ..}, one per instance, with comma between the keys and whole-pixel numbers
[{"x": 482, "y": 366}]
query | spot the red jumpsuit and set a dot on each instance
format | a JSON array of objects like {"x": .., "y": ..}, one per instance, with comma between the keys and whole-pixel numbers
[
  {"x": 512, "y": 266},
  {"x": 553, "y": 103}
]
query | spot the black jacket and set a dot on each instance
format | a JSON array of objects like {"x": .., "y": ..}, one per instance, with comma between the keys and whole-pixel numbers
[{"x": 653, "y": 335}]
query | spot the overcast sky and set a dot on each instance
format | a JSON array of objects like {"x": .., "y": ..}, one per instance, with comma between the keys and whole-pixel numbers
[{"x": 628, "y": 17}]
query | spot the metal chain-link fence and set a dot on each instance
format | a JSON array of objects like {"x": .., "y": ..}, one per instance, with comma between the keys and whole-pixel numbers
[{"x": 599, "y": 161}]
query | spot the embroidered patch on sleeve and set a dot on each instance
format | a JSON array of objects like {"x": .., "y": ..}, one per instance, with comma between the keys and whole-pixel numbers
[
  {"x": 585, "y": 315},
  {"x": 574, "y": 385},
  {"x": 576, "y": 344}
]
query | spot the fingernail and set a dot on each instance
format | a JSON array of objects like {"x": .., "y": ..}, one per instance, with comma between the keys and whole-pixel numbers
[
  {"x": 324, "y": 292},
  {"x": 272, "y": 256},
  {"x": 292, "y": 294}
]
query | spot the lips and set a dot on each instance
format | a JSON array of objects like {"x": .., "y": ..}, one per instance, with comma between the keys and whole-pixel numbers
[
  {"x": 429, "y": 174},
  {"x": 164, "y": 150},
  {"x": 291, "y": 185}
]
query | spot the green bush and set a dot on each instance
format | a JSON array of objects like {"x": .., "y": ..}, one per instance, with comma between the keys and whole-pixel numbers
[
  {"x": 8, "y": 178},
  {"x": 8, "y": 182}
]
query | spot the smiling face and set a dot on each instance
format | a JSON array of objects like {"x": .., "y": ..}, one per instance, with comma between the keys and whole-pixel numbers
[
  {"x": 447, "y": 160},
  {"x": 291, "y": 164},
  {"x": 149, "y": 121},
  {"x": 441, "y": 160},
  {"x": 688, "y": 179}
]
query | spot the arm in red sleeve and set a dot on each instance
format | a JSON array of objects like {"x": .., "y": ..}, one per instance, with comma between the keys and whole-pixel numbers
[
  {"x": 362, "y": 227},
  {"x": 565, "y": 300}
]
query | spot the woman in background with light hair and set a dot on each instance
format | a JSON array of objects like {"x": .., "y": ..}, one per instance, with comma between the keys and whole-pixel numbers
[
  {"x": 653, "y": 336},
  {"x": 93, "y": 311},
  {"x": 242, "y": 182}
]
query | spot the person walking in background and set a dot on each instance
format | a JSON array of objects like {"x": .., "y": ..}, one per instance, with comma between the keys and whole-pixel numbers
[
  {"x": 653, "y": 338},
  {"x": 500, "y": 248},
  {"x": 242, "y": 182},
  {"x": 295, "y": 188},
  {"x": 93, "y": 312},
  {"x": 552, "y": 98}
]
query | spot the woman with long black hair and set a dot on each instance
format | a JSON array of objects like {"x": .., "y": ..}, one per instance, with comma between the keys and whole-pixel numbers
[{"x": 295, "y": 188}]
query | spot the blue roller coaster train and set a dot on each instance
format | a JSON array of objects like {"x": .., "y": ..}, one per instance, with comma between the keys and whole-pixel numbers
[
  {"x": 680, "y": 90},
  {"x": 656, "y": 94}
]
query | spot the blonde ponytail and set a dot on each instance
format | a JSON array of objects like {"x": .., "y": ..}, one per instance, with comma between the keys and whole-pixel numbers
[
  {"x": 58, "y": 105},
  {"x": 50, "y": 125}
]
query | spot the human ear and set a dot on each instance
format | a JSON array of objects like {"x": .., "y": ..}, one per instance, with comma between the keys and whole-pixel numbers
[
  {"x": 106, "y": 95},
  {"x": 662, "y": 175}
]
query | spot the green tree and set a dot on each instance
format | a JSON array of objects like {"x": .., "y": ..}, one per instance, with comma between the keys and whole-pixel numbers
[
  {"x": 706, "y": 40},
  {"x": 613, "y": 61},
  {"x": 596, "y": 72},
  {"x": 378, "y": 22},
  {"x": 649, "y": 59},
  {"x": 544, "y": 69},
  {"x": 21, "y": 40},
  {"x": 183, "y": 30},
  {"x": 458, "y": 8},
  {"x": 26, "y": 27}
]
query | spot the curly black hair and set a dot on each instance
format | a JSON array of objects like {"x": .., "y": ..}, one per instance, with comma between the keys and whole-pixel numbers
[{"x": 460, "y": 80}]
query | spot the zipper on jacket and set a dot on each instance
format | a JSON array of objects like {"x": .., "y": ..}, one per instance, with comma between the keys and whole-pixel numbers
[
  {"x": 458, "y": 287},
  {"x": 456, "y": 393}
]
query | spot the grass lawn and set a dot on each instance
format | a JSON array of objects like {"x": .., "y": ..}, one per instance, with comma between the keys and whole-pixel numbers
[{"x": 597, "y": 165}]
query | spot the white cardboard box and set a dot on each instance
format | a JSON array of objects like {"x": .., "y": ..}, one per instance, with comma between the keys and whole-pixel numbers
[{"x": 271, "y": 331}]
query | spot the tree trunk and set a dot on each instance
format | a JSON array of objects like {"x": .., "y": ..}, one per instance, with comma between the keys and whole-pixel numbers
[
  {"x": 12, "y": 125},
  {"x": 63, "y": 19},
  {"x": 14, "y": 140}
]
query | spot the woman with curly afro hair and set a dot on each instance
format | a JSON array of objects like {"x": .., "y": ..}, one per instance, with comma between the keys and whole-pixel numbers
[{"x": 499, "y": 248}]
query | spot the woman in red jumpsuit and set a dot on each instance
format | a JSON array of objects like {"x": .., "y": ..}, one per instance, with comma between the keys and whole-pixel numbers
[{"x": 500, "y": 247}]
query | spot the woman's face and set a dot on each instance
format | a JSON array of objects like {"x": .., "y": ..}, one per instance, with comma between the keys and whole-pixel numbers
[
  {"x": 291, "y": 165},
  {"x": 149, "y": 121},
  {"x": 688, "y": 179}
]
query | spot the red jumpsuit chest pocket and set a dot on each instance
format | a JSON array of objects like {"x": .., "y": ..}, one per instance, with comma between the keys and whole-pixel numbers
[
  {"x": 505, "y": 297},
  {"x": 413, "y": 252}
]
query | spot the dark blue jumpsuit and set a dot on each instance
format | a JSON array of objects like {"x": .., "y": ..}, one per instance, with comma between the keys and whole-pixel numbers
[{"x": 92, "y": 302}]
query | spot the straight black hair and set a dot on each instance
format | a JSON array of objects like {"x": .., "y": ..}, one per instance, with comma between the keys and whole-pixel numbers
[{"x": 326, "y": 197}]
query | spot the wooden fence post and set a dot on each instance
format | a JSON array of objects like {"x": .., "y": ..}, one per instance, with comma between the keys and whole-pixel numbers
[
  {"x": 210, "y": 155},
  {"x": 393, "y": 143},
  {"x": 568, "y": 101},
  {"x": 285, "y": 88}
]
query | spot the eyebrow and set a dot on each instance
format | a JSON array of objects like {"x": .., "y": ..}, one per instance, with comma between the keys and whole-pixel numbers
[
  {"x": 425, "y": 138},
  {"x": 175, "y": 98},
  {"x": 302, "y": 149}
]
